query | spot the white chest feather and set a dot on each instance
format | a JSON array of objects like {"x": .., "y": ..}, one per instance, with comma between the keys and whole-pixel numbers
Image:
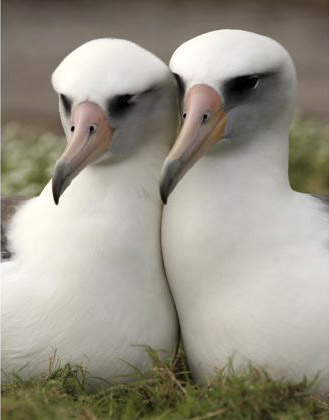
[
  {"x": 87, "y": 279},
  {"x": 249, "y": 272}
]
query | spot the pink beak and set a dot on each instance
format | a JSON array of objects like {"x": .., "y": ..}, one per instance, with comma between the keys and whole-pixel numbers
[
  {"x": 203, "y": 126},
  {"x": 91, "y": 138}
]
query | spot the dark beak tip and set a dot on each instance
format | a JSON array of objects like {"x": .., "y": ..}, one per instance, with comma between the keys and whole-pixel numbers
[
  {"x": 55, "y": 197},
  {"x": 60, "y": 181},
  {"x": 55, "y": 190},
  {"x": 164, "y": 191},
  {"x": 169, "y": 179},
  {"x": 164, "y": 198}
]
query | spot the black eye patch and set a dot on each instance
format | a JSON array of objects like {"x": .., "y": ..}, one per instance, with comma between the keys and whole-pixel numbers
[
  {"x": 242, "y": 83},
  {"x": 119, "y": 105},
  {"x": 180, "y": 84},
  {"x": 67, "y": 103}
]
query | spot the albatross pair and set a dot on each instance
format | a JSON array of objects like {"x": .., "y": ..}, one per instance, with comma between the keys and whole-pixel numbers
[{"x": 246, "y": 258}]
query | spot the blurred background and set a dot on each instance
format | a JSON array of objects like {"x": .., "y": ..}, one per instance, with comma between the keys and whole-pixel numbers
[{"x": 37, "y": 34}]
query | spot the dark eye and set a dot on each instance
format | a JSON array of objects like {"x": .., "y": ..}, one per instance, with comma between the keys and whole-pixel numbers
[
  {"x": 119, "y": 105},
  {"x": 67, "y": 103},
  {"x": 242, "y": 83}
]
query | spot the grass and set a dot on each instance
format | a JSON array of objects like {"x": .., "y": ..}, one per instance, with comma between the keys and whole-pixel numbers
[
  {"x": 167, "y": 391},
  {"x": 28, "y": 157},
  {"x": 309, "y": 157}
]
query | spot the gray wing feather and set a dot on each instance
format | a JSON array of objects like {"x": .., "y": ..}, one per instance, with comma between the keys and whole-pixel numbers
[
  {"x": 9, "y": 206},
  {"x": 324, "y": 199}
]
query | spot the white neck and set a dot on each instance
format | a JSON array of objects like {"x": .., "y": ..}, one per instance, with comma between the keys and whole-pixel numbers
[
  {"x": 231, "y": 190},
  {"x": 251, "y": 164},
  {"x": 102, "y": 204}
]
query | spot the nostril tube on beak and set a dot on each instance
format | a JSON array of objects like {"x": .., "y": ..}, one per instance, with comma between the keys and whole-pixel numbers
[{"x": 92, "y": 129}]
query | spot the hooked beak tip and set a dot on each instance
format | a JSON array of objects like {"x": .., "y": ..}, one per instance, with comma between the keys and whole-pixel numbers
[
  {"x": 61, "y": 180},
  {"x": 169, "y": 178},
  {"x": 164, "y": 195}
]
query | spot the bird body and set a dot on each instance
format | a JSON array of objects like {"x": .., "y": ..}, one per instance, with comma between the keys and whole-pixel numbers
[
  {"x": 87, "y": 278},
  {"x": 243, "y": 280},
  {"x": 247, "y": 258}
]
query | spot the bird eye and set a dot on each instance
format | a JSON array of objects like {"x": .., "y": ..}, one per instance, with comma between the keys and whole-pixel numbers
[
  {"x": 243, "y": 83},
  {"x": 119, "y": 105}
]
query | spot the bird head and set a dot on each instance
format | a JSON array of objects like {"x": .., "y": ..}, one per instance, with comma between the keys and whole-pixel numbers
[
  {"x": 233, "y": 85},
  {"x": 113, "y": 95}
]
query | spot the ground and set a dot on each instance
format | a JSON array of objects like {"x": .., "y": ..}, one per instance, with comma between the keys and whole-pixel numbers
[{"x": 167, "y": 392}]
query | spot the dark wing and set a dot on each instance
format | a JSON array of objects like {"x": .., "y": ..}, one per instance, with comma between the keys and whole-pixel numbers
[
  {"x": 9, "y": 206},
  {"x": 324, "y": 199}
]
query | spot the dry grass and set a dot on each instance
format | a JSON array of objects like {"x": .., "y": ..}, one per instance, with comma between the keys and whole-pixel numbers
[{"x": 166, "y": 392}]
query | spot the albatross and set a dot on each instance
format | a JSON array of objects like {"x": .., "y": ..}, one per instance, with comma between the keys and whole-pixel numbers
[
  {"x": 86, "y": 279},
  {"x": 247, "y": 258}
]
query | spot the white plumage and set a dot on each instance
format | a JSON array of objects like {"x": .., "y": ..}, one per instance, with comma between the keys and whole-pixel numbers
[
  {"x": 87, "y": 277},
  {"x": 247, "y": 258}
]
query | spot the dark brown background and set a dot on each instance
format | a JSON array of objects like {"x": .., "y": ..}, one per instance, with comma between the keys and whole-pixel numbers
[{"x": 36, "y": 35}]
